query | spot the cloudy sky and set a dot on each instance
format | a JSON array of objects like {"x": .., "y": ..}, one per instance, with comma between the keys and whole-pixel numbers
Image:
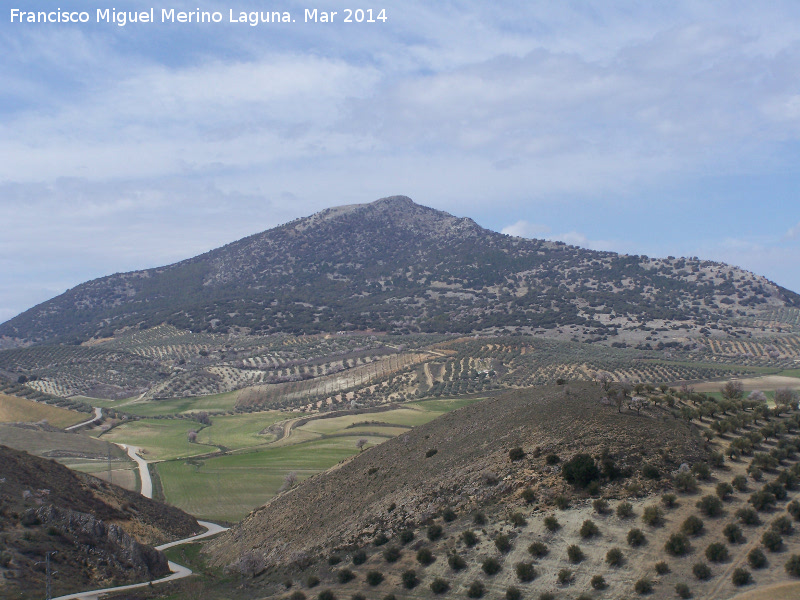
[{"x": 670, "y": 129}]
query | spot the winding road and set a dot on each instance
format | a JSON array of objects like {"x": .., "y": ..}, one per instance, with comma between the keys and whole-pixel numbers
[
  {"x": 178, "y": 571},
  {"x": 98, "y": 414}
]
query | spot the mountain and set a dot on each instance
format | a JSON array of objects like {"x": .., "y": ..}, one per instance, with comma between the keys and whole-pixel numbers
[
  {"x": 393, "y": 265},
  {"x": 101, "y": 533}
]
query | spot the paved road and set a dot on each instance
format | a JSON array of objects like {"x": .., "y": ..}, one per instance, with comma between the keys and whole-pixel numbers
[
  {"x": 144, "y": 472},
  {"x": 178, "y": 571},
  {"x": 98, "y": 414}
]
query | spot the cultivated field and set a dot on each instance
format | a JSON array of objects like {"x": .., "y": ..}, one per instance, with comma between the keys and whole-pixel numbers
[{"x": 14, "y": 409}]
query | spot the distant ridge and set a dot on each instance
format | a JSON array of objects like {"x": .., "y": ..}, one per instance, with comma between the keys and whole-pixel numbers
[{"x": 396, "y": 266}]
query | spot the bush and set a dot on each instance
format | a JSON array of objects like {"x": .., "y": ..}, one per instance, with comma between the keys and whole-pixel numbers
[
  {"x": 516, "y": 454},
  {"x": 476, "y": 590},
  {"x": 326, "y": 595},
  {"x": 792, "y": 565},
  {"x": 702, "y": 470},
  {"x": 683, "y": 591},
  {"x": 406, "y": 536},
  {"x": 439, "y": 586},
  {"x": 565, "y": 576},
  {"x": 435, "y": 532},
  {"x": 643, "y": 586},
  {"x": 782, "y": 525},
  {"x": 624, "y": 510},
  {"x": 431, "y": 452},
  {"x": 589, "y": 529},
  {"x": 580, "y": 470},
  {"x": 513, "y": 593},
  {"x": 724, "y": 490},
  {"x": 702, "y": 571},
  {"x": 733, "y": 533},
  {"x": 374, "y": 578},
  {"x": 651, "y": 472},
  {"x": 748, "y": 516},
  {"x": 717, "y": 552},
  {"x": 449, "y": 515},
  {"x": 653, "y": 516},
  {"x": 517, "y": 520},
  {"x": 479, "y": 518},
  {"x": 741, "y": 577},
  {"x": 538, "y": 549},
  {"x": 469, "y": 538},
  {"x": 345, "y": 575},
  {"x": 669, "y": 500},
  {"x": 739, "y": 483},
  {"x": 762, "y": 500},
  {"x": 772, "y": 540},
  {"x": 685, "y": 482},
  {"x": 502, "y": 543},
  {"x": 359, "y": 557},
  {"x": 600, "y": 506},
  {"x": 757, "y": 558},
  {"x": 334, "y": 559},
  {"x": 380, "y": 539},
  {"x": 794, "y": 509},
  {"x": 456, "y": 562},
  {"x": 548, "y": 595},
  {"x": 525, "y": 571},
  {"x": 575, "y": 554},
  {"x": 297, "y": 595},
  {"x": 425, "y": 556},
  {"x": 662, "y": 568},
  {"x": 636, "y": 538},
  {"x": 710, "y": 506},
  {"x": 529, "y": 495},
  {"x": 491, "y": 566},
  {"x": 693, "y": 525},
  {"x": 677, "y": 544},
  {"x": 561, "y": 502},
  {"x": 312, "y": 581},
  {"x": 409, "y": 579},
  {"x": 551, "y": 523},
  {"x": 614, "y": 557},
  {"x": 392, "y": 554},
  {"x": 552, "y": 459},
  {"x": 598, "y": 582}
]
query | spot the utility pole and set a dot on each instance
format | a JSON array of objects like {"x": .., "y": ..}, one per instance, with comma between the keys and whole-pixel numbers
[{"x": 48, "y": 574}]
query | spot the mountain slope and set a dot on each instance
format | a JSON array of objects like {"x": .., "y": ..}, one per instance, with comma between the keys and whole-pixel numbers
[{"x": 393, "y": 265}]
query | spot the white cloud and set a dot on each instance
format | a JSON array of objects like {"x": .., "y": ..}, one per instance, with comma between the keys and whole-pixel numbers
[
  {"x": 793, "y": 233},
  {"x": 526, "y": 229}
]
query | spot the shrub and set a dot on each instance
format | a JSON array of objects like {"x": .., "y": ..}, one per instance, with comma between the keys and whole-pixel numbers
[
  {"x": 614, "y": 557},
  {"x": 733, "y": 533},
  {"x": 456, "y": 562},
  {"x": 449, "y": 515},
  {"x": 724, "y": 490},
  {"x": 552, "y": 459},
  {"x": 702, "y": 571},
  {"x": 561, "y": 502},
  {"x": 677, "y": 544},
  {"x": 502, "y": 543},
  {"x": 739, "y": 483},
  {"x": 551, "y": 523},
  {"x": 685, "y": 482},
  {"x": 538, "y": 549},
  {"x": 359, "y": 557},
  {"x": 741, "y": 577},
  {"x": 392, "y": 554},
  {"x": 636, "y": 538},
  {"x": 757, "y": 558},
  {"x": 312, "y": 581},
  {"x": 717, "y": 552},
  {"x": 575, "y": 554},
  {"x": 624, "y": 510},
  {"x": 794, "y": 509},
  {"x": 479, "y": 518},
  {"x": 589, "y": 529},
  {"x": 425, "y": 556},
  {"x": 748, "y": 516},
  {"x": 380, "y": 539},
  {"x": 431, "y": 452},
  {"x": 772, "y": 540},
  {"x": 702, "y": 470},
  {"x": 491, "y": 566},
  {"x": 717, "y": 459},
  {"x": 792, "y": 565},
  {"x": 409, "y": 579},
  {"x": 565, "y": 576},
  {"x": 683, "y": 591},
  {"x": 710, "y": 506},
  {"x": 762, "y": 500},
  {"x": 782, "y": 525},
  {"x": 374, "y": 578},
  {"x": 643, "y": 586},
  {"x": 600, "y": 506},
  {"x": 516, "y": 454},
  {"x": 653, "y": 516},
  {"x": 326, "y": 595},
  {"x": 580, "y": 470},
  {"x": 513, "y": 593},
  {"x": 529, "y": 495},
  {"x": 334, "y": 559},
  {"x": 345, "y": 575},
  {"x": 435, "y": 532},
  {"x": 548, "y": 595},
  {"x": 669, "y": 500},
  {"x": 525, "y": 571},
  {"x": 297, "y": 595},
  {"x": 662, "y": 568},
  {"x": 469, "y": 538},
  {"x": 476, "y": 590},
  {"x": 693, "y": 525},
  {"x": 439, "y": 586},
  {"x": 598, "y": 582},
  {"x": 651, "y": 472},
  {"x": 517, "y": 520}
]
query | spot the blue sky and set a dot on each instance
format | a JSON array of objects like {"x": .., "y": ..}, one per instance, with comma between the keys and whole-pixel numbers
[{"x": 669, "y": 129}]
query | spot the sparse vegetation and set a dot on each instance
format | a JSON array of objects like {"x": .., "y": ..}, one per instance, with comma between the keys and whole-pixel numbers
[{"x": 614, "y": 557}]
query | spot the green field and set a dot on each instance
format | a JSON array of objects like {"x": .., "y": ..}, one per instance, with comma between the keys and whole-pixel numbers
[
  {"x": 153, "y": 408},
  {"x": 161, "y": 439},
  {"x": 241, "y": 431},
  {"x": 227, "y": 488}
]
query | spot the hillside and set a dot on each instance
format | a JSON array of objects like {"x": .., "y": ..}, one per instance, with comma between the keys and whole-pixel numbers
[
  {"x": 393, "y": 265},
  {"x": 459, "y": 461},
  {"x": 101, "y": 533}
]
